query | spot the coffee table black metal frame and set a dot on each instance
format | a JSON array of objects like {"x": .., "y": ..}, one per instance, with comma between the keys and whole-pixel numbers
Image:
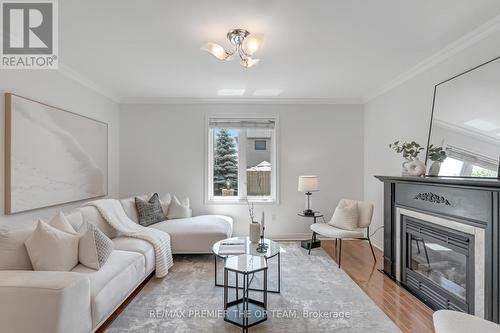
[
  {"x": 223, "y": 257},
  {"x": 254, "y": 311},
  {"x": 313, "y": 242}
]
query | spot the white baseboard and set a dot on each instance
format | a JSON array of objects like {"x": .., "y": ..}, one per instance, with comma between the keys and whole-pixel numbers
[
  {"x": 378, "y": 244},
  {"x": 290, "y": 236}
]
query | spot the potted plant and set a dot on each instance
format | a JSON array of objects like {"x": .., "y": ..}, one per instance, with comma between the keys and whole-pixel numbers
[
  {"x": 437, "y": 155},
  {"x": 410, "y": 151}
]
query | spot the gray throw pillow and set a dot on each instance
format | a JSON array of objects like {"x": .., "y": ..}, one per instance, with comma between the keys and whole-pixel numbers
[{"x": 149, "y": 212}]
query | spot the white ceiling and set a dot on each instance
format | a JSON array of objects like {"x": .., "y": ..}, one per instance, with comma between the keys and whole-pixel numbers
[{"x": 321, "y": 49}]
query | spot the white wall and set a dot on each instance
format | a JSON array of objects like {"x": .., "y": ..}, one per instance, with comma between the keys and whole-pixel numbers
[
  {"x": 163, "y": 147},
  {"x": 55, "y": 89},
  {"x": 404, "y": 113}
]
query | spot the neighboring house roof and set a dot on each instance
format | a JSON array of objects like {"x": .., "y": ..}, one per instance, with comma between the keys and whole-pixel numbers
[{"x": 262, "y": 166}]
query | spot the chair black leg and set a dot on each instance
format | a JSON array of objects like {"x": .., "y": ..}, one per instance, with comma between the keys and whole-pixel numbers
[
  {"x": 371, "y": 247},
  {"x": 340, "y": 250},
  {"x": 311, "y": 243}
]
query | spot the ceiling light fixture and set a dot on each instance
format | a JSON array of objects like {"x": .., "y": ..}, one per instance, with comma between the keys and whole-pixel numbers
[{"x": 244, "y": 45}]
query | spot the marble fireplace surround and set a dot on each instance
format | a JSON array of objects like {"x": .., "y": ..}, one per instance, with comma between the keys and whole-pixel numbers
[{"x": 479, "y": 250}]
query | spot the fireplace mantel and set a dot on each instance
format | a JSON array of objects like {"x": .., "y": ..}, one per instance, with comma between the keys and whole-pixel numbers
[
  {"x": 467, "y": 201},
  {"x": 453, "y": 181}
]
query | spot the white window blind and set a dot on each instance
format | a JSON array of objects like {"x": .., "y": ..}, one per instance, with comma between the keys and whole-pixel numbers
[
  {"x": 472, "y": 158},
  {"x": 242, "y": 123}
]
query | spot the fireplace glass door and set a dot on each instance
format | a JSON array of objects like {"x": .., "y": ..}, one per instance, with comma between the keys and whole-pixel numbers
[{"x": 438, "y": 265}]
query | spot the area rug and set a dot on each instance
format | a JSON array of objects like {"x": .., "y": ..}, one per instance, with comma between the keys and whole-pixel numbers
[{"x": 316, "y": 296}]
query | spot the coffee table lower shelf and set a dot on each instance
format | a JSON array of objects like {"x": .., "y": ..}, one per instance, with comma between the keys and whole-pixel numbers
[{"x": 235, "y": 314}]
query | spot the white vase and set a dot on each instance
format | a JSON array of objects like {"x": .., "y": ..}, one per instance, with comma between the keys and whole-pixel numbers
[
  {"x": 435, "y": 168},
  {"x": 254, "y": 232},
  {"x": 414, "y": 168}
]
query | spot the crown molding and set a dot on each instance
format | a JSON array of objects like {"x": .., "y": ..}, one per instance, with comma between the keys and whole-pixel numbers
[
  {"x": 166, "y": 100},
  {"x": 86, "y": 82},
  {"x": 460, "y": 44}
]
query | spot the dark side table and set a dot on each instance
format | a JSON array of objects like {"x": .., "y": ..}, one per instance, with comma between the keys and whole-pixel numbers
[{"x": 308, "y": 244}]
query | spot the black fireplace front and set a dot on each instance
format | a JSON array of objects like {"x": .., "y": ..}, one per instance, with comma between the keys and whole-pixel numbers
[{"x": 438, "y": 265}]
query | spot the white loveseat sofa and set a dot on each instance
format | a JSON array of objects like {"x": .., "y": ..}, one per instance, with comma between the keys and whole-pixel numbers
[{"x": 82, "y": 300}]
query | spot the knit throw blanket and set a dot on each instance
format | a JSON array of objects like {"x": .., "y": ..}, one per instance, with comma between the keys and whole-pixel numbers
[{"x": 112, "y": 212}]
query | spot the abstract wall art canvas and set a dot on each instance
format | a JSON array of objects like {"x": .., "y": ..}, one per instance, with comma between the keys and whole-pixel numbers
[{"x": 52, "y": 156}]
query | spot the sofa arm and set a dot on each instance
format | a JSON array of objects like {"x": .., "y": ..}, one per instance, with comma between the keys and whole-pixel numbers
[{"x": 36, "y": 301}]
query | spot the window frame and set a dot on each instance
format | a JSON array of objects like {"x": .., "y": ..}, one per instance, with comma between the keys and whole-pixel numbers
[{"x": 242, "y": 198}]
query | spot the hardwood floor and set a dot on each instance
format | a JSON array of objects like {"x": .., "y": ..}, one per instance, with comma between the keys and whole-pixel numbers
[{"x": 407, "y": 312}]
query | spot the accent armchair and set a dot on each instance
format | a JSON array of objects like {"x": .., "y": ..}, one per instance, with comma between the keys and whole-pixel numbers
[
  {"x": 361, "y": 231},
  {"x": 446, "y": 321}
]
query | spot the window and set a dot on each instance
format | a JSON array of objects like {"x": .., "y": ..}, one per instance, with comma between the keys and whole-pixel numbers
[
  {"x": 461, "y": 162},
  {"x": 260, "y": 144},
  {"x": 241, "y": 160}
]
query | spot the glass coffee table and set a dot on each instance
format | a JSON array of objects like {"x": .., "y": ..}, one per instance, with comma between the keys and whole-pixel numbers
[{"x": 273, "y": 251}]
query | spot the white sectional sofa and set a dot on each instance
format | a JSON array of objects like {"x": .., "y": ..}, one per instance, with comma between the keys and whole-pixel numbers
[
  {"x": 194, "y": 235},
  {"x": 82, "y": 300}
]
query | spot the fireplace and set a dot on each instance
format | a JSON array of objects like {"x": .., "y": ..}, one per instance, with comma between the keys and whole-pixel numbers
[
  {"x": 438, "y": 264},
  {"x": 441, "y": 261},
  {"x": 442, "y": 241}
]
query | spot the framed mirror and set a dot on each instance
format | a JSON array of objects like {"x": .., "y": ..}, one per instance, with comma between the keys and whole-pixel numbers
[{"x": 464, "y": 136}]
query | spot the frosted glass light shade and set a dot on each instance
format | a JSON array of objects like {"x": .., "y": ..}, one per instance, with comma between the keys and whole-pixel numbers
[
  {"x": 216, "y": 50},
  {"x": 249, "y": 62},
  {"x": 308, "y": 183},
  {"x": 252, "y": 43}
]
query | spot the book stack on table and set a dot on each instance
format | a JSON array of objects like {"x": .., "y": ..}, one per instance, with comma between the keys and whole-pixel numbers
[{"x": 232, "y": 247}]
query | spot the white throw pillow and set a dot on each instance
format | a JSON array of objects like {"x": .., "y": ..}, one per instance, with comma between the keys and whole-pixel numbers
[
  {"x": 75, "y": 218},
  {"x": 165, "y": 202},
  {"x": 60, "y": 222},
  {"x": 94, "y": 248},
  {"x": 346, "y": 215},
  {"x": 13, "y": 254},
  {"x": 50, "y": 249},
  {"x": 179, "y": 209}
]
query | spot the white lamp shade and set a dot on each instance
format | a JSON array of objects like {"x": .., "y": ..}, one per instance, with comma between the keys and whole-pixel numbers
[{"x": 308, "y": 183}]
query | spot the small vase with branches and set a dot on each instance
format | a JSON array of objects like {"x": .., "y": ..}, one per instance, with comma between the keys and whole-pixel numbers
[
  {"x": 410, "y": 151},
  {"x": 437, "y": 155}
]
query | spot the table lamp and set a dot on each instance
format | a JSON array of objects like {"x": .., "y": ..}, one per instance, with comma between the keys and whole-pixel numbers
[{"x": 308, "y": 184}]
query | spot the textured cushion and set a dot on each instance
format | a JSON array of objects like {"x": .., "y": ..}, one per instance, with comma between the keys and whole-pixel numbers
[
  {"x": 137, "y": 245},
  {"x": 13, "y": 254},
  {"x": 149, "y": 212},
  {"x": 60, "y": 222},
  {"x": 179, "y": 209},
  {"x": 329, "y": 231},
  {"x": 94, "y": 248},
  {"x": 50, "y": 249},
  {"x": 346, "y": 215},
  {"x": 196, "y": 234},
  {"x": 446, "y": 321},
  {"x": 110, "y": 285}
]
